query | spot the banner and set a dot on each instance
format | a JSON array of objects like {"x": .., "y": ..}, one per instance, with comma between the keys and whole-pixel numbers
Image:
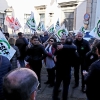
[{"x": 5, "y": 48}]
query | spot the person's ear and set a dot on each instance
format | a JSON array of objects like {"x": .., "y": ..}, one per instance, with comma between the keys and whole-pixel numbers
[{"x": 33, "y": 96}]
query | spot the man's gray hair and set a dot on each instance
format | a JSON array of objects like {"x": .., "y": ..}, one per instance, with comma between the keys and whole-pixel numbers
[{"x": 19, "y": 84}]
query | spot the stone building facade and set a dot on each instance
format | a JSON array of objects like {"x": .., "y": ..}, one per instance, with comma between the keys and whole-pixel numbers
[{"x": 71, "y": 12}]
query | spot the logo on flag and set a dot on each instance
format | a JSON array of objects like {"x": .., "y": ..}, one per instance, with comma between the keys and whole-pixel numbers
[
  {"x": 98, "y": 28},
  {"x": 5, "y": 48},
  {"x": 31, "y": 22}
]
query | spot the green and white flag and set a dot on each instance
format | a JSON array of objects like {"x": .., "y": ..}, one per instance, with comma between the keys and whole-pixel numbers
[
  {"x": 31, "y": 23},
  {"x": 5, "y": 48},
  {"x": 57, "y": 25},
  {"x": 51, "y": 29},
  {"x": 82, "y": 29},
  {"x": 62, "y": 31},
  {"x": 96, "y": 30},
  {"x": 41, "y": 26}
]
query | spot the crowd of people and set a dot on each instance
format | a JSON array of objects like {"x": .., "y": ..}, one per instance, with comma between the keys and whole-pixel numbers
[{"x": 58, "y": 57}]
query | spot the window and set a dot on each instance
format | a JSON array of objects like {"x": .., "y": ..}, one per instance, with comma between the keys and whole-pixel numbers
[
  {"x": 2, "y": 18},
  {"x": 69, "y": 19},
  {"x": 42, "y": 17},
  {"x": 26, "y": 29}
]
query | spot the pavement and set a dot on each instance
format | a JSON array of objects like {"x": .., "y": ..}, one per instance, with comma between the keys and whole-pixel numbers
[{"x": 46, "y": 93}]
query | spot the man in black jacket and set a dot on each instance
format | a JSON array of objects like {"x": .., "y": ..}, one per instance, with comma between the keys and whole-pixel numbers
[
  {"x": 64, "y": 60},
  {"x": 36, "y": 54},
  {"x": 82, "y": 48}
]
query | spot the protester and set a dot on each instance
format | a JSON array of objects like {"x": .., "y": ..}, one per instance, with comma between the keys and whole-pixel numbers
[
  {"x": 5, "y": 67},
  {"x": 16, "y": 55},
  {"x": 20, "y": 84}
]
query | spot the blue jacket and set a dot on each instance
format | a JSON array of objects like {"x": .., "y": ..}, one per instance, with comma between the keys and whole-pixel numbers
[{"x": 5, "y": 67}]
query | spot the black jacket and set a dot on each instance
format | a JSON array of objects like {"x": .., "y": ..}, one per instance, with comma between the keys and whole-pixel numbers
[
  {"x": 92, "y": 80},
  {"x": 36, "y": 54},
  {"x": 82, "y": 47},
  {"x": 66, "y": 55},
  {"x": 5, "y": 67},
  {"x": 89, "y": 59}
]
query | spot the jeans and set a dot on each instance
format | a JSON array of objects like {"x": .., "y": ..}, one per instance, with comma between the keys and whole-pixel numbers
[{"x": 22, "y": 63}]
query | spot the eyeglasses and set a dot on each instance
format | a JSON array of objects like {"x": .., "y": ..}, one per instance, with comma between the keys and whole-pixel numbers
[{"x": 51, "y": 40}]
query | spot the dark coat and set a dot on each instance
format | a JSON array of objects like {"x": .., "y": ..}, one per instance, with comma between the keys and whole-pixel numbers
[
  {"x": 92, "y": 80},
  {"x": 82, "y": 47},
  {"x": 5, "y": 67},
  {"x": 21, "y": 43},
  {"x": 36, "y": 54},
  {"x": 89, "y": 59}
]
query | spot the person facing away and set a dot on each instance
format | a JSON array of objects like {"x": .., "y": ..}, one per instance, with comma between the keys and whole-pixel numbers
[
  {"x": 5, "y": 67},
  {"x": 20, "y": 84},
  {"x": 16, "y": 55},
  {"x": 21, "y": 43}
]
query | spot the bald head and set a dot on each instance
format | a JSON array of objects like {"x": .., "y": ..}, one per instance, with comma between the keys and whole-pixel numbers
[
  {"x": 19, "y": 84},
  {"x": 79, "y": 36}
]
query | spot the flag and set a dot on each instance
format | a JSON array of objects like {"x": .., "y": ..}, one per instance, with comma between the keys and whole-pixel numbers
[
  {"x": 31, "y": 23},
  {"x": 51, "y": 29},
  {"x": 17, "y": 24},
  {"x": 5, "y": 48},
  {"x": 12, "y": 23},
  {"x": 41, "y": 26},
  {"x": 62, "y": 31},
  {"x": 96, "y": 30},
  {"x": 57, "y": 25},
  {"x": 82, "y": 29}
]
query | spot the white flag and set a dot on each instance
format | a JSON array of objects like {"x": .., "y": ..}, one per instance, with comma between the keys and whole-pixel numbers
[
  {"x": 62, "y": 31},
  {"x": 51, "y": 29},
  {"x": 5, "y": 48},
  {"x": 41, "y": 26},
  {"x": 57, "y": 25},
  {"x": 31, "y": 23},
  {"x": 96, "y": 31},
  {"x": 82, "y": 29}
]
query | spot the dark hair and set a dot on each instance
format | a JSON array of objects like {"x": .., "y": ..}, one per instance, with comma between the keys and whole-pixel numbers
[
  {"x": 98, "y": 47},
  {"x": 53, "y": 39},
  {"x": 68, "y": 40},
  {"x": 22, "y": 86},
  {"x": 6, "y": 34},
  {"x": 35, "y": 37},
  {"x": 20, "y": 34}
]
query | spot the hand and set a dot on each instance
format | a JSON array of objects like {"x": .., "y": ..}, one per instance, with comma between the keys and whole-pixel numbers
[
  {"x": 59, "y": 47},
  {"x": 44, "y": 44},
  {"x": 55, "y": 59},
  {"x": 85, "y": 72}
]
